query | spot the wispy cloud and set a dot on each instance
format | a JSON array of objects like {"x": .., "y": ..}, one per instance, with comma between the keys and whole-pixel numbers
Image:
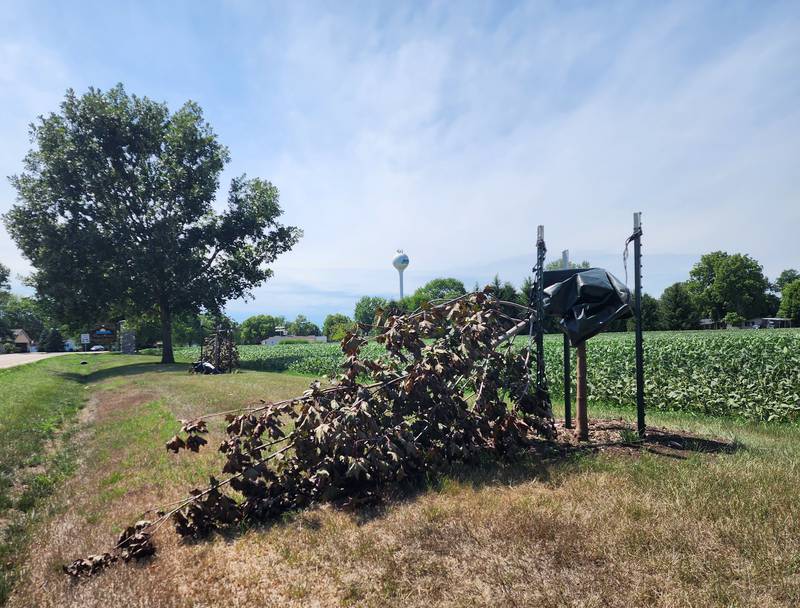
[{"x": 453, "y": 130}]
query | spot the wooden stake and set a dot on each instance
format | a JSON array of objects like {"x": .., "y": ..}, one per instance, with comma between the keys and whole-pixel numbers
[{"x": 583, "y": 415}]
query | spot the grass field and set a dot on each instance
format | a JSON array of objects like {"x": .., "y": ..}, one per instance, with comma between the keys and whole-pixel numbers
[
  {"x": 38, "y": 407},
  {"x": 609, "y": 529},
  {"x": 749, "y": 374}
]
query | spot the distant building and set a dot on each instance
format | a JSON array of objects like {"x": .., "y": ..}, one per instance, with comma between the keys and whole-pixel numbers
[
  {"x": 23, "y": 342},
  {"x": 767, "y": 323},
  {"x": 278, "y": 339},
  {"x": 711, "y": 324}
]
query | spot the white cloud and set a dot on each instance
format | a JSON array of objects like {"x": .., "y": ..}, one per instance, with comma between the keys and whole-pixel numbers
[{"x": 452, "y": 132}]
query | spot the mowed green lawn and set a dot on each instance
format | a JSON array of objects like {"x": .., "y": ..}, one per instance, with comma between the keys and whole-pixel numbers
[{"x": 618, "y": 528}]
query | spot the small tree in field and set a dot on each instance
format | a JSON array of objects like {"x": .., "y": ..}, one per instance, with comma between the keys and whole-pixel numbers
[{"x": 115, "y": 213}]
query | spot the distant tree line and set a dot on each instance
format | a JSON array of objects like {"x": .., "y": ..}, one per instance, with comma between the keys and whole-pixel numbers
[
  {"x": 726, "y": 288},
  {"x": 20, "y": 312}
]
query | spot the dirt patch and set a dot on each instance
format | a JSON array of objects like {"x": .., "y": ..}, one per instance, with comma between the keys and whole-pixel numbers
[{"x": 619, "y": 436}]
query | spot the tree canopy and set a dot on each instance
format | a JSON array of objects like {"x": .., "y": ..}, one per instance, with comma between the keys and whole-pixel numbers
[
  {"x": 19, "y": 312},
  {"x": 259, "y": 327},
  {"x": 677, "y": 310},
  {"x": 504, "y": 290},
  {"x": 790, "y": 302},
  {"x": 336, "y": 325},
  {"x": 114, "y": 211},
  {"x": 364, "y": 312},
  {"x": 5, "y": 273},
  {"x": 787, "y": 276},
  {"x": 444, "y": 288},
  {"x": 723, "y": 283},
  {"x": 51, "y": 341},
  {"x": 556, "y": 264},
  {"x": 303, "y": 327}
]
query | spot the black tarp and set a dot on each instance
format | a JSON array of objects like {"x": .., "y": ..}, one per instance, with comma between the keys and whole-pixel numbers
[{"x": 587, "y": 302}]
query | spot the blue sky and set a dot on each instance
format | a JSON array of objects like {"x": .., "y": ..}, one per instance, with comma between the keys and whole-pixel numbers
[{"x": 452, "y": 129}]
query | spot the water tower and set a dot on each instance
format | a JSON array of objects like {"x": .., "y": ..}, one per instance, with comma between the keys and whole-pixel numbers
[{"x": 400, "y": 262}]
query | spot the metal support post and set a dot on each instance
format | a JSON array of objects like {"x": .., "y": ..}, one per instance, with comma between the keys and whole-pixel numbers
[
  {"x": 583, "y": 413},
  {"x": 541, "y": 250},
  {"x": 567, "y": 362},
  {"x": 637, "y": 286}
]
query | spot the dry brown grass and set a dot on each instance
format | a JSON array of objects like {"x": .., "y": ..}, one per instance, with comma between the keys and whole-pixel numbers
[{"x": 601, "y": 530}]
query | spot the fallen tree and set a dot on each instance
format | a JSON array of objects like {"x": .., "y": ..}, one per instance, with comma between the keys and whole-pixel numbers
[{"x": 443, "y": 393}]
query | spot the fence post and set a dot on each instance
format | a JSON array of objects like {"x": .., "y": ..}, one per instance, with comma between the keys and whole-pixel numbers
[
  {"x": 637, "y": 286},
  {"x": 541, "y": 250},
  {"x": 583, "y": 414},
  {"x": 567, "y": 362}
]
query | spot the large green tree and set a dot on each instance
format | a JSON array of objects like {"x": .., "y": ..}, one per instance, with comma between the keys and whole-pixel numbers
[
  {"x": 790, "y": 302},
  {"x": 364, "y": 312},
  {"x": 651, "y": 315},
  {"x": 301, "y": 326},
  {"x": 336, "y": 325},
  {"x": 115, "y": 213},
  {"x": 677, "y": 308},
  {"x": 504, "y": 290},
  {"x": 444, "y": 288},
  {"x": 787, "y": 276},
  {"x": 259, "y": 327},
  {"x": 5, "y": 273},
  {"x": 19, "y": 312},
  {"x": 723, "y": 283}
]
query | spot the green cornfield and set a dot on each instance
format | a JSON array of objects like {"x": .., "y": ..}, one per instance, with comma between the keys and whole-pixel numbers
[{"x": 742, "y": 373}]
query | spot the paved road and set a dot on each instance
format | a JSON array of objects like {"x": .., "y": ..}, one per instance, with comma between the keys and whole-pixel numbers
[{"x": 22, "y": 358}]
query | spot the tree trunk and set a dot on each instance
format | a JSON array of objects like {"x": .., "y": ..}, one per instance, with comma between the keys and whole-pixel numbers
[{"x": 166, "y": 334}]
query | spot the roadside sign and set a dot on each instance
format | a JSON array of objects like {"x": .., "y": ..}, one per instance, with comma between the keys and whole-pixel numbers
[
  {"x": 105, "y": 333},
  {"x": 84, "y": 338}
]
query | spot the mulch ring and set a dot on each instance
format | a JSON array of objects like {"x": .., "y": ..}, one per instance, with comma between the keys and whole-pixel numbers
[{"x": 619, "y": 436}]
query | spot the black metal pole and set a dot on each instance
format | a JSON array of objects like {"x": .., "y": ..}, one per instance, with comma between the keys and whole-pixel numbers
[
  {"x": 567, "y": 361},
  {"x": 567, "y": 385},
  {"x": 637, "y": 286},
  {"x": 541, "y": 250}
]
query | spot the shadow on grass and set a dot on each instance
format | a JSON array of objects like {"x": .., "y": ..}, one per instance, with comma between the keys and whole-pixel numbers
[
  {"x": 134, "y": 369},
  {"x": 545, "y": 461}
]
